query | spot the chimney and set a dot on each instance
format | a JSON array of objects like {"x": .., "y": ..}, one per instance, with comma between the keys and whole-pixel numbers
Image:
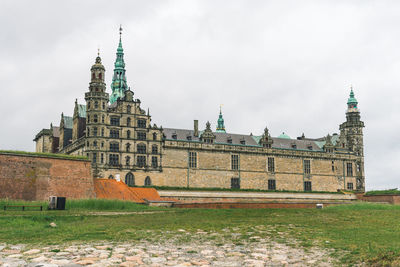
[{"x": 196, "y": 128}]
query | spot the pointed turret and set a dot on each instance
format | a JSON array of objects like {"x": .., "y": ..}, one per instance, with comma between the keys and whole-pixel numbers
[
  {"x": 220, "y": 123},
  {"x": 352, "y": 101},
  {"x": 118, "y": 84}
]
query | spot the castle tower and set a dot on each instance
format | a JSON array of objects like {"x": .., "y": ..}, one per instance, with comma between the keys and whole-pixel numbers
[
  {"x": 351, "y": 136},
  {"x": 220, "y": 123},
  {"x": 118, "y": 84},
  {"x": 351, "y": 129},
  {"x": 96, "y": 113}
]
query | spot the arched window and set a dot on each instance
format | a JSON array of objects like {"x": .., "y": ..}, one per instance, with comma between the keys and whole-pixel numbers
[
  {"x": 128, "y": 147},
  {"x": 128, "y": 122},
  {"x": 100, "y": 75},
  {"x": 128, "y": 109},
  {"x": 147, "y": 181},
  {"x": 88, "y": 131},
  {"x": 154, "y": 149},
  {"x": 141, "y": 148},
  {"x": 96, "y": 104},
  {"x": 88, "y": 104},
  {"x": 93, "y": 76},
  {"x": 127, "y": 160},
  {"x": 102, "y": 117},
  {"x": 95, "y": 143},
  {"x": 95, "y": 118},
  {"x": 104, "y": 105},
  {"x": 88, "y": 118},
  {"x": 102, "y": 131},
  {"x": 110, "y": 177},
  {"x": 154, "y": 136},
  {"x": 130, "y": 179},
  {"x": 128, "y": 134},
  {"x": 95, "y": 131}
]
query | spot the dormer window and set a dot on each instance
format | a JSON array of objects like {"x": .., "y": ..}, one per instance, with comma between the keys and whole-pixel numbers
[
  {"x": 174, "y": 136},
  {"x": 189, "y": 138},
  {"x": 309, "y": 146},
  {"x": 294, "y": 146},
  {"x": 242, "y": 142},
  {"x": 229, "y": 140}
]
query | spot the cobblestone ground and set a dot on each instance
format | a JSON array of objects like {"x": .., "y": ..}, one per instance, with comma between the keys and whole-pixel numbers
[{"x": 168, "y": 251}]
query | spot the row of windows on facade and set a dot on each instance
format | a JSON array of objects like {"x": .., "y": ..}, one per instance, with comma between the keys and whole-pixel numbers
[
  {"x": 235, "y": 183},
  {"x": 115, "y": 133},
  {"x": 114, "y": 160},
  {"x": 130, "y": 179},
  {"x": 208, "y": 140},
  {"x": 115, "y": 121},
  {"x": 271, "y": 164},
  {"x": 96, "y": 105},
  {"x": 140, "y": 148}
]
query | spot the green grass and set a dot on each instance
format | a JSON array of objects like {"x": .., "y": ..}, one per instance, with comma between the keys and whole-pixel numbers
[
  {"x": 46, "y": 155},
  {"x": 362, "y": 232},
  {"x": 394, "y": 191},
  {"x": 234, "y": 190}
]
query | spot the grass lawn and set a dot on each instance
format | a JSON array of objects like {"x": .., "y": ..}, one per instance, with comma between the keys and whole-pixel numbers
[{"x": 360, "y": 232}]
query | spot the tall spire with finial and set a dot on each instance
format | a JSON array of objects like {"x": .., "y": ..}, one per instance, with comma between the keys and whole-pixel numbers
[
  {"x": 118, "y": 84},
  {"x": 220, "y": 123}
]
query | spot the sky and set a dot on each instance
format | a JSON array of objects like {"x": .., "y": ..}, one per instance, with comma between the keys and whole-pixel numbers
[{"x": 283, "y": 64}]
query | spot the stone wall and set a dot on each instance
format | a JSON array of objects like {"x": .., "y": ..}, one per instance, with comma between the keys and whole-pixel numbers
[
  {"x": 392, "y": 199},
  {"x": 32, "y": 177}
]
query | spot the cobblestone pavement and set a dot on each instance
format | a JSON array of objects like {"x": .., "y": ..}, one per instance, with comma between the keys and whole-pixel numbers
[{"x": 195, "y": 251}]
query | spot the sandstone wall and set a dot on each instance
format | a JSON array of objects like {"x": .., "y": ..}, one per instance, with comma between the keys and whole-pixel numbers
[{"x": 32, "y": 177}]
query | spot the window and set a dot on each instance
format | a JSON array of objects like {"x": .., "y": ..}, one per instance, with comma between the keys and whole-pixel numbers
[
  {"x": 94, "y": 159},
  {"x": 229, "y": 140},
  {"x": 102, "y": 144},
  {"x": 95, "y": 118},
  {"x": 271, "y": 165},
  {"x": 271, "y": 184},
  {"x": 110, "y": 177},
  {"x": 87, "y": 144},
  {"x": 102, "y": 119},
  {"x": 88, "y": 131},
  {"x": 349, "y": 186},
  {"x": 154, "y": 162},
  {"x": 114, "y": 133},
  {"x": 141, "y": 148},
  {"x": 147, "y": 181},
  {"x": 88, "y": 118},
  {"x": 141, "y": 135},
  {"x": 100, "y": 75},
  {"x": 358, "y": 167},
  {"x": 307, "y": 166},
  {"x": 174, "y": 136},
  {"x": 141, "y": 161},
  {"x": 102, "y": 131},
  {"x": 235, "y": 162},
  {"x": 154, "y": 149},
  {"x": 101, "y": 158},
  {"x": 235, "y": 183},
  {"x": 95, "y": 131},
  {"x": 128, "y": 134},
  {"x": 114, "y": 121},
  {"x": 349, "y": 169},
  {"x": 95, "y": 143},
  {"x": 96, "y": 104},
  {"x": 128, "y": 109},
  {"x": 127, "y": 160},
  {"x": 154, "y": 136},
  {"x": 128, "y": 122},
  {"x": 93, "y": 76},
  {"x": 189, "y": 138},
  {"x": 114, "y": 160},
  {"x": 141, "y": 123},
  {"x": 128, "y": 147},
  {"x": 242, "y": 142},
  {"x": 104, "y": 106},
  {"x": 307, "y": 186},
  {"x": 129, "y": 179},
  {"x": 88, "y": 104},
  {"x": 333, "y": 166},
  {"x": 114, "y": 147},
  {"x": 192, "y": 159}
]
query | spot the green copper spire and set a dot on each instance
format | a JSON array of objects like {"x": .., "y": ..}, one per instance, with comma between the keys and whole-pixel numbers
[
  {"x": 352, "y": 101},
  {"x": 220, "y": 124},
  {"x": 118, "y": 84}
]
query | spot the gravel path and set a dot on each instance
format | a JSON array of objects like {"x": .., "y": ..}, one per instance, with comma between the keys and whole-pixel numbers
[{"x": 168, "y": 251}]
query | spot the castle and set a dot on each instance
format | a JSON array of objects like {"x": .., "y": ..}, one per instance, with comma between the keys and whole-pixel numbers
[{"x": 117, "y": 135}]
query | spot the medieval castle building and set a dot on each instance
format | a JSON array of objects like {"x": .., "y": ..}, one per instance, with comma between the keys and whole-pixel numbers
[{"x": 117, "y": 135}]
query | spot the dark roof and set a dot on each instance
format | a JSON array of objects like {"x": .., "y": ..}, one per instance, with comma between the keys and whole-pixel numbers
[
  {"x": 249, "y": 140},
  {"x": 41, "y": 133}
]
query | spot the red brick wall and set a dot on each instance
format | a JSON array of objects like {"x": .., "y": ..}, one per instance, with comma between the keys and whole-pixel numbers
[
  {"x": 392, "y": 199},
  {"x": 36, "y": 178}
]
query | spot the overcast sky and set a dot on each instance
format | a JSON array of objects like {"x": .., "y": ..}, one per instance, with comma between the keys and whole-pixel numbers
[{"x": 287, "y": 65}]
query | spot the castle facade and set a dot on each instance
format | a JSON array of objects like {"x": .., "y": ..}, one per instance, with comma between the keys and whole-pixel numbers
[{"x": 117, "y": 135}]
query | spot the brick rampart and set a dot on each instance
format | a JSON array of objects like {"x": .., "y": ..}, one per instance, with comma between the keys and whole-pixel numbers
[
  {"x": 32, "y": 177},
  {"x": 392, "y": 199},
  {"x": 241, "y": 205}
]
